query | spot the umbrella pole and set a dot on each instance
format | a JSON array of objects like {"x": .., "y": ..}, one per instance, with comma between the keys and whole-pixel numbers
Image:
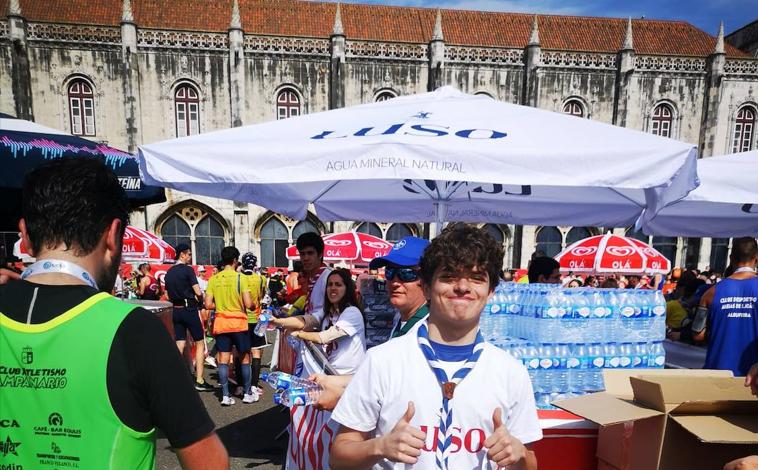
[{"x": 440, "y": 209}]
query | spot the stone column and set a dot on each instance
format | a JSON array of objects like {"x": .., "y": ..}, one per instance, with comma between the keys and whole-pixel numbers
[
  {"x": 20, "y": 70},
  {"x": 533, "y": 59},
  {"x": 624, "y": 73},
  {"x": 132, "y": 102},
  {"x": 436, "y": 56},
  {"x": 236, "y": 67},
  {"x": 712, "y": 96},
  {"x": 337, "y": 63}
]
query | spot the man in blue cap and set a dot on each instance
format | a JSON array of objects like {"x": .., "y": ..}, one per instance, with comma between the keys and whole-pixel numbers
[{"x": 403, "y": 284}]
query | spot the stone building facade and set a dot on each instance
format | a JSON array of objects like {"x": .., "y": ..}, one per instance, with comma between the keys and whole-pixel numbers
[{"x": 128, "y": 72}]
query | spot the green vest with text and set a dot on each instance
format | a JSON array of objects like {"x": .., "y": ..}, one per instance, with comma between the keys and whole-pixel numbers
[{"x": 55, "y": 410}]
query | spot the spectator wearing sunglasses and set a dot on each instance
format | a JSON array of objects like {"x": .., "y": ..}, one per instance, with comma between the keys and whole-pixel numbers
[{"x": 401, "y": 270}]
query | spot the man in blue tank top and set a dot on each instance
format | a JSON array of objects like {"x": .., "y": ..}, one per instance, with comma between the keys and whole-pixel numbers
[{"x": 732, "y": 313}]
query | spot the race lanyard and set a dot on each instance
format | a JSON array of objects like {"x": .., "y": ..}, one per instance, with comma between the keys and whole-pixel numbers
[
  {"x": 744, "y": 269},
  {"x": 59, "y": 266}
]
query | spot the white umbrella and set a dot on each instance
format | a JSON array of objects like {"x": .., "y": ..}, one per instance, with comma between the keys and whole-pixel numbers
[
  {"x": 436, "y": 156},
  {"x": 724, "y": 205}
]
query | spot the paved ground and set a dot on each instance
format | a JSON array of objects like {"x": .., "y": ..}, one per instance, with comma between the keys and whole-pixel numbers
[{"x": 247, "y": 431}]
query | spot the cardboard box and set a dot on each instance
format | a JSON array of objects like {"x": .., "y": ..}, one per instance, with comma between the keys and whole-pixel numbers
[{"x": 670, "y": 419}]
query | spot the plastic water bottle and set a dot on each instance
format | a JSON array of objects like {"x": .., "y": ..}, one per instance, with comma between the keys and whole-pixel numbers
[
  {"x": 640, "y": 358},
  {"x": 262, "y": 325},
  {"x": 281, "y": 380},
  {"x": 644, "y": 322},
  {"x": 611, "y": 324},
  {"x": 561, "y": 354},
  {"x": 547, "y": 368},
  {"x": 658, "y": 308},
  {"x": 596, "y": 362},
  {"x": 611, "y": 353},
  {"x": 626, "y": 355},
  {"x": 578, "y": 366},
  {"x": 629, "y": 313},
  {"x": 656, "y": 355},
  {"x": 298, "y": 396},
  {"x": 581, "y": 316},
  {"x": 599, "y": 314}
]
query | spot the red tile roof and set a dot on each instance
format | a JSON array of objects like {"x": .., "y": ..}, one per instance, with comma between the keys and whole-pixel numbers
[{"x": 386, "y": 23}]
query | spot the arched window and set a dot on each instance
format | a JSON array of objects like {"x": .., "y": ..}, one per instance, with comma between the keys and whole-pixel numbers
[
  {"x": 274, "y": 243},
  {"x": 744, "y": 128},
  {"x": 175, "y": 231},
  {"x": 385, "y": 95},
  {"x": 576, "y": 234},
  {"x": 209, "y": 241},
  {"x": 573, "y": 108},
  {"x": 397, "y": 232},
  {"x": 667, "y": 247},
  {"x": 371, "y": 229},
  {"x": 719, "y": 254},
  {"x": 287, "y": 104},
  {"x": 303, "y": 227},
  {"x": 81, "y": 108},
  {"x": 549, "y": 240},
  {"x": 496, "y": 232},
  {"x": 187, "y": 110},
  {"x": 661, "y": 120},
  {"x": 638, "y": 235}
]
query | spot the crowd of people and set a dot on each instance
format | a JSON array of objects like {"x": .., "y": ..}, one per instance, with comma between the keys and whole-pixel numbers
[{"x": 436, "y": 395}]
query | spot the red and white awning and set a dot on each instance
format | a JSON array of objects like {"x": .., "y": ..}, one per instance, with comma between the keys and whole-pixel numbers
[
  {"x": 145, "y": 247},
  {"x": 351, "y": 247},
  {"x": 613, "y": 254}
]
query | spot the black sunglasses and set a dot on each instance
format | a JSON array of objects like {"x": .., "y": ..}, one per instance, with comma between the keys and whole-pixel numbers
[{"x": 404, "y": 274}]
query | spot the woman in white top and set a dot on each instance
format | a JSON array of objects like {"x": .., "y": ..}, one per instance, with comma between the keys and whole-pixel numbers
[{"x": 343, "y": 331}]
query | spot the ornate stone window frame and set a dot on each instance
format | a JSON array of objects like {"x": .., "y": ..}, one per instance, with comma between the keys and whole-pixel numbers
[
  {"x": 753, "y": 105},
  {"x": 66, "y": 116},
  {"x": 291, "y": 87},
  {"x": 675, "y": 117},
  {"x": 171, "y": 98},
  {"x": 578, "y": 100},
  {"x": 192, "y": 212}
]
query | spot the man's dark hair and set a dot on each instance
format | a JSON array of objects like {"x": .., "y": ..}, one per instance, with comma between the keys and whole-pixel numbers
[
  {"x": 229, "y": 254},
  {"x": 310, "y": 239},
  {"x": 459, "y": 247},
  {"x": 72, "y": 201},
  {"x": 544, "y": 265},
  {"x": 744, "y": 250}
]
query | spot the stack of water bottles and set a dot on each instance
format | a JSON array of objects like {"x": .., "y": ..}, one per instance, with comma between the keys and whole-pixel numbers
[
  {"x": 290, "y": 390},
  {"x": 566, "y": 336}
]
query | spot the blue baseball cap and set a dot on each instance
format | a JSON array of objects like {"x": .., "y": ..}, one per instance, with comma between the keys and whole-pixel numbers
[{"x": 406, "y": 252}]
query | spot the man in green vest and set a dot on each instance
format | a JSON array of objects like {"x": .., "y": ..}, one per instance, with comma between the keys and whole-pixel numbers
[{"x": 85, "y": 379}]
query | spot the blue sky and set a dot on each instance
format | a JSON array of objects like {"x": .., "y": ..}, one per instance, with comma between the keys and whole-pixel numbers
[{"x": 705, "y": 14}]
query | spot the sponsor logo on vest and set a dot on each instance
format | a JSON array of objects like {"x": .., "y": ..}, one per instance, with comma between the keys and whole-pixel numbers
[
  {"x": 57, "y": 458},
  {"x": 9, "y": 423},
  {"x": 27, "y": 355},
  {"x": 21, "y": 377},
  {"x": 9, "y": 447},
  {"x": 55, "y": 419},
  {"x": 11, "y": 466},
  {"x": 56, "y": 428}
]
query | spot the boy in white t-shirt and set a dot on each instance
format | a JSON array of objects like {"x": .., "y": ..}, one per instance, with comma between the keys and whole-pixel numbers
[{"x": 441, "y": 397}]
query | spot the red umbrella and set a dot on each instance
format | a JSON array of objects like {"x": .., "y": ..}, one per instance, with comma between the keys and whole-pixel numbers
[
  {"x": 140, "y": 246},
  {"x": 613, "y": 254},
  {"x": 352, "y": 247},
  {"x": 145, "y": 247}
]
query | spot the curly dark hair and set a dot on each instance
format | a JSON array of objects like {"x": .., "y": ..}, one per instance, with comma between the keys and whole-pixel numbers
[
  {"x": 72, "y": 201},
  {"x": 460, "y": 247}
]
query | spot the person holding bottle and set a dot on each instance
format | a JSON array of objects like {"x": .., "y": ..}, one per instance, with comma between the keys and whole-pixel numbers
[{"x": 343, "y": 333}]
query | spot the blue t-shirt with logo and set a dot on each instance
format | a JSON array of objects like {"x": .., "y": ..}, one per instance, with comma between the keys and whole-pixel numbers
[{"x": 733, "y": 330}]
